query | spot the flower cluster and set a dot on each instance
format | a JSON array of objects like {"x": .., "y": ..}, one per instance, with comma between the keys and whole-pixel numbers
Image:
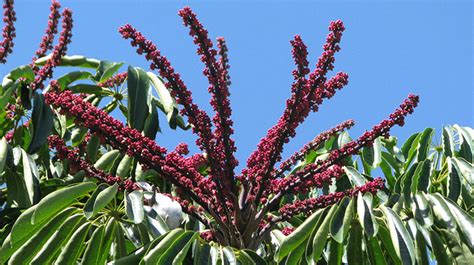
[
  {"x": 172, "y": 166},
  {"x": 232, "y": 207},
  {"x": 309, "y": 205},
  {"x": 73, "y": 156},
  {"x": 51, "y": 30},
  {"x": 312, "y": 145},
  {"x": 261, "y": 186},
  {"x": 307, "y": 94},
  {"x": 114, "y": 81},
  {"x": 58, "y": 52},
  {"x": 223, "y": 158},
  {"x": 8, "y": 32}
]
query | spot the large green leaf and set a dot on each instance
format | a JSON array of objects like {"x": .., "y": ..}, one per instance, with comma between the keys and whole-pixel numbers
[
  {"x": 93, "y": 252},
  {"x": 42, "y": 120},
  {"x": 448, "y": 141},
  {"x": 3, "y": 153},
  {"x": 153, "y": 255},
  {"x": 50, "y": 249},
  {"x": 71, "y": 77},
  {"x": 72, "y": 60},
  {"x": 454, "y": 180},
  {"x": 321, "y": 236},
  {"x": 366, "y": 216},
  {"x": 298, "y": 236},
  {"x": 72, "y": 250},
  {"x": 105, "y": 162},
  {"x": 103, "y": 198},
  {"x": 139, "y": 97},
  {"x": 373, "y": 155},
  {"x": 342, "y": 219},
  {"x": 106, "y": 70},
  {"x": 401, "y": 239},
  {"x": 33, "y": 244},
  {"x": 32, "y": 219},
  {"x": 134, "y": 206}
]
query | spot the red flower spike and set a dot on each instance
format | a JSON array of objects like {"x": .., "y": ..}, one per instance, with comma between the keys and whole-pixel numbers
[
  {"x": 59, "y": 51},
  {"x": 80, "y": 164},
  {"x": 223, "y": 155},
  {"x": 114, "y": 81},
  {"x": 351, "y": 148},
  {"x": 321, "y": 138},
  {"x": 200, "y": 121},
  {"x": 130, "y": 141},
  {"x": 51, "y": 30},
  {"x": 8, "y": 32}
]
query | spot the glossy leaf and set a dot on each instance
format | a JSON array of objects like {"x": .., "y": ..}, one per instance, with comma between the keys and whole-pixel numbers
[
  {"x": 42, "y": 121},
  {"x": 402, "y": 241},
  {"x": 299, "y": 235},
  {"x": 139, "y": 97}
]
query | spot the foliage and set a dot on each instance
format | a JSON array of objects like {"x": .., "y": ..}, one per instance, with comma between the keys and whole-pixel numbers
[{"x": 79, "y": 185}]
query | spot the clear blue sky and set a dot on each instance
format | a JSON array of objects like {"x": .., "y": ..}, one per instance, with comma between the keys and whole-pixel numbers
[{"x": 389, "y": 50}]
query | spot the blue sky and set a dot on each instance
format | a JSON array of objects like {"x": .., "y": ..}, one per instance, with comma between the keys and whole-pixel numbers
[{"x": 389, "y": 49}]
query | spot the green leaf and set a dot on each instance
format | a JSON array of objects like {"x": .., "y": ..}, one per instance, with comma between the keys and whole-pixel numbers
[
  {"x": 7, "y": 95},
  {"x": 167, "y": 101},
  {"x": 124, "y": 166},
  {"x": 439, "y": 249},
  {"x": 354, "y": 245},
  {"x": 176, "y": 253},
  {"x": 42, "y": 120},
  {"x": 342, "y": 219},
  {"x": 442, "y": 215},
  {"x": 385, "y": 238},
  {"x": 109, "y": 235},
  {"x": 72, "y": 60},
  {"x": 321, "y": 236},
  {"x": 448, "y": 141},
  {"x": 71, "y": 77},
  {"x": 71, "y": 252},
  {"x": 375, "y": 251},
  {"x": 51, "y": 248},
  {"x": 104, "y": 198},
  {"x": 466, "y": 142},
  {"x": 464, "y": 221},
  {"x": 298, "y": 236},
  {"x": 454, "y": 181},
  {"x": 90, "y": 90},
  {"x": 408, "y": 144},
  {"x": 28, "y": 249},
  {"x": 48, "y": 207},
  {"x": 93, "y": 252},
  {"x": 373, "y": 155},
  {"x": 92, "y": 148},
  {"x": 424, "y": 144},
  {"x": 30, "y": 177},
  {"x": 335, "y": 253},
  {"x": 78, "y": 135},
  {"x": 460, "y": 252},
  {"x": 89, "y": 206},
  {"x": 422, "y": 210},
  {"x": 3, "y": 153},
  {"x": 105, "y": 162},
  {"x": 134, "y": 206},
  {"x": 422, "y": 177},
  {"x": 354, "y": 176},
  {"x": 139, "y": 97},
  {"x": 366, "y": 216},
  {"x": 401, "y": 239},
  {"x": 106, "y": 70},
  {"x": 154, "y": 253}
]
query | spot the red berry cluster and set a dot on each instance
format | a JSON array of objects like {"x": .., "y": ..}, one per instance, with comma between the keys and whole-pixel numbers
[
  {"x": 114, "y": 81},
  {"x": 46, "y": 43},
  {"x": 8, "y": 32},
  {"x": 59, "y": 51}
]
